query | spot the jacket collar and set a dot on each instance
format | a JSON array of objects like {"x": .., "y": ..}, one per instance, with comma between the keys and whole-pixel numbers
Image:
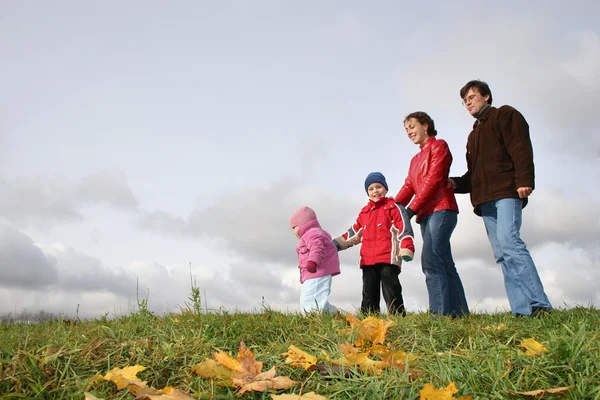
[
  {"x": 310, "y": 224},
  {"x": 428, "y": 142},
  {"x": 483, "y": 115},
  {"x": 376, "y": 204}
]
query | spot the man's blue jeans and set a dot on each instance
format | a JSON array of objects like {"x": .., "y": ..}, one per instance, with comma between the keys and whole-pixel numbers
[
  {"x": 524, "y": 288},
  {"x": 446, "y": 292}
]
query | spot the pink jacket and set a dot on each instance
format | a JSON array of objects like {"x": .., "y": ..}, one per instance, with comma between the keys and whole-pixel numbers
[{"x": 316, "y": 245}]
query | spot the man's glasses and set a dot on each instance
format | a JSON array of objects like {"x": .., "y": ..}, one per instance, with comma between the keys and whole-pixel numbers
[{"x": 469, "y": 99}]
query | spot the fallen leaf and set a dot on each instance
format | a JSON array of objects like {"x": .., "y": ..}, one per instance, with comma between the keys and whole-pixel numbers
[
  {"x": 348, "y": 348},
  {"x": 374, "y": 330},
  {"x": 494, "y": 327},
  {"x": 362, "y": 361},
  {"x": 351, "y": 319},
  {"x": 125, "y": 377},
  {"x": 299, "y": 358},
  {"x": 212, "y": 369},
  {"x": 89, "y": 396},
  {"x": 542, "y": 392},
  {"x": 306, "y": 396},
  {"x": 332, "y": 371},
  {"x": 397, "y": 358},
  {"x": 263, "y": 381},
  {"x": 430, "y": 393},
  {"x": 168, "y": 393},
  {"x": 532, "y": 348},
  {"x": 245, "y": 372}
]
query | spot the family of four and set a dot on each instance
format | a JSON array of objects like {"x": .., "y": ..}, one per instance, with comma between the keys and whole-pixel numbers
[{"x": 499, "y": 178}]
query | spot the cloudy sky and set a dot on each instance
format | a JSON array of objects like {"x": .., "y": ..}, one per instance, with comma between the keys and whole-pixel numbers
[{"x": 142, "y": 142}]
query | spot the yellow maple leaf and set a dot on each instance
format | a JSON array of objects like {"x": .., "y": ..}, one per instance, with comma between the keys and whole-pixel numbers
[
  {"x": 299, "y": 358},
  {"x": 168, "y": 393},
  {"x": 245, "y": 372},
  {"x": 396, "y": 358},
  {"x": 306, "y": 396},
  {"x": 374, "y": 330},
  {"x": 542, "y": 392},
  {"x": 348, "y": 348},
  {"x": 125, "y": 377},
  {"x": 362, "y": 361},
  {"x": 212, "y": 369},
  {"x": 431, "y": 393},
  {"x": 532, "y": 347}
]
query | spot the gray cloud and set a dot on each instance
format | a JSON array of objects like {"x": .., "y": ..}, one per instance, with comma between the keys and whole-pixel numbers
[
  {"x": 42, "y": 201},
  {"x": 22, "y": 263},
  {"x": 108, "y": 186}
]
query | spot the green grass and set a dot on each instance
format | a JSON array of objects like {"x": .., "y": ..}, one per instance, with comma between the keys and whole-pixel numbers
[{"x": 55, "y": 359}]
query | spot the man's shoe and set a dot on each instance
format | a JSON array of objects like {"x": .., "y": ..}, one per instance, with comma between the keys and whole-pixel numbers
[{"x": 539, "y": 312}]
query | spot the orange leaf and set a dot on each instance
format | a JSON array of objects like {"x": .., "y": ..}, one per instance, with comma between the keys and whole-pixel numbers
[
  {"x": 348, "y": 349},
  {"x": 299, "y": 358},
  {"x": 542, "y": 392},
  {"x": 430, "y": 393},
  {"x": 351, "y": 319},
  {"x": 306, "y": 396},
  {"x": 532, "y": 347},
  {"x": 397, "y": 358},
  {"x": 125, "y": 377}
]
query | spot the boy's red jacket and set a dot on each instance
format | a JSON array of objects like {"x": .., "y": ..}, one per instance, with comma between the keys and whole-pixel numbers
[{"x": 383, "y": 228}]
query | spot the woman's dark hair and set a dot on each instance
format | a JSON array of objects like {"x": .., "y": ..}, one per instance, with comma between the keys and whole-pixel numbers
[
  {"x": 481, "y": 86},
  {"x": 423, "y": 119}
]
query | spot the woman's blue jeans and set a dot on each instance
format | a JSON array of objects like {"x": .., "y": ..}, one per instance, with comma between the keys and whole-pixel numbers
[
  {"x": 524, "y": 288},
  {"x": 446, "y": 292}
]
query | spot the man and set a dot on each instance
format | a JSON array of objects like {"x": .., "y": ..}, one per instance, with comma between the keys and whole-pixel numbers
[{"x": 500, "y": 178}]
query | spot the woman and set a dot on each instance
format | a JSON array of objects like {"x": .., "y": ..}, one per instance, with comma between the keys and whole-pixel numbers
[{"x": 435, "y": 206}]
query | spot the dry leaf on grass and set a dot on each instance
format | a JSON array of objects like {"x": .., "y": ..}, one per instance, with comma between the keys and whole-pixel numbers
[
  {"x": 262, "y": 382},
  {"x": 299, "y": 358},
  {"x": 125, "y": 377},
  {"x": 362, "y": 361},
  {"x": 532, "y": 348},
  {"x": 306, "y": 396},
  {"x": 212, "y": 369},
  {"x": 542, "y": 392},
  {"x": 493, "y": 327},
  {"x": 89, "y": 396},
  {"x": 372, "y": 330},
  {"x": 168, "y": 393},
  {"x": 430, "y": 393},
  {"x": 245, "y": 372}
]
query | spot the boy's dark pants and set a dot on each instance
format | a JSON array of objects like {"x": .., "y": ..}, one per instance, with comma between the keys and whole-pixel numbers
[{"x": 386, "y": 276}]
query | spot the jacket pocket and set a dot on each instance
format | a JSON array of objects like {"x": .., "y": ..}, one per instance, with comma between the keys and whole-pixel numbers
[{"x": 500, "y": 177}]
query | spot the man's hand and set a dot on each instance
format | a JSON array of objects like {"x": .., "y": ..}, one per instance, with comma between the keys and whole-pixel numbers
[
  {"x": 451, "y": 183},
  {"x": 524, "y": 192}
]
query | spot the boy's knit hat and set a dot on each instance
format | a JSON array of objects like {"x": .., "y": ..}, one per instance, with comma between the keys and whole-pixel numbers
[
  {"x": 375, "y": 177},
  {"x": 302, "y": 216}
]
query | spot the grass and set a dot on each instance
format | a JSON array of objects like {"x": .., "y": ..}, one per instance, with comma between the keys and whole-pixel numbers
[{"x": 57, "y": 359}]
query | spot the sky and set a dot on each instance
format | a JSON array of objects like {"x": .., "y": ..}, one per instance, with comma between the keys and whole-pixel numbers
[{"x": 146, "y": 146}]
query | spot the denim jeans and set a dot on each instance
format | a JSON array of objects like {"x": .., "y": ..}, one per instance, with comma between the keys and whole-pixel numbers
[
  {"x": 524, "y": 288},
  {"x": 446, "y": 292},
  {"x": 314, "y": 295},
  {"x": 386, "y": 276}
]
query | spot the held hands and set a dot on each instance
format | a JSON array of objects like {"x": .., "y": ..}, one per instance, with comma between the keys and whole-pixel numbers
[
  {"x": 311, "y": 267},
  {"x": 524, "y": 192}
]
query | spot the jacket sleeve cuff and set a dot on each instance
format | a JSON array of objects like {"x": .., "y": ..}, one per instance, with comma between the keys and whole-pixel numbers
[{"x": 407, "y": 254}]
